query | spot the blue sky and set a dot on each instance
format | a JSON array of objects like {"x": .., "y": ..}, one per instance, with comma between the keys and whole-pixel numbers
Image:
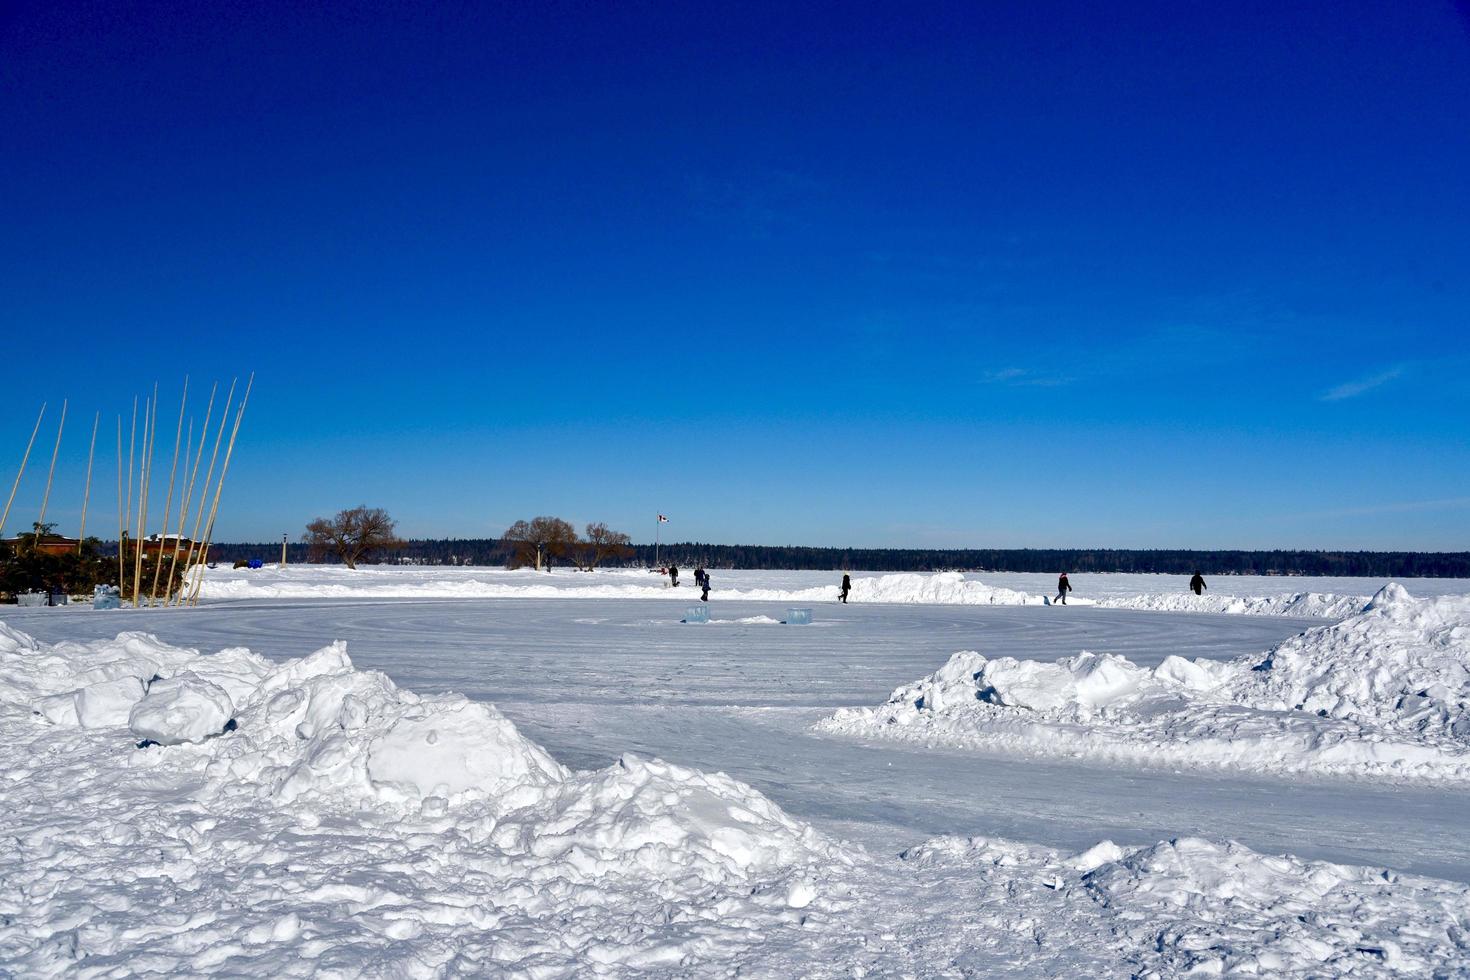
[{"x": 1030, "y": 274}]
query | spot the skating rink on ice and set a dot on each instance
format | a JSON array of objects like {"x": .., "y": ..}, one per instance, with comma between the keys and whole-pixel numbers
[{"x": 592, "y": 678}]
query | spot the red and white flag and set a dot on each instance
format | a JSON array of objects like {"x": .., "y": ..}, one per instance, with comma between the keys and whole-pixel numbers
[{"x": 662, "y": 519}]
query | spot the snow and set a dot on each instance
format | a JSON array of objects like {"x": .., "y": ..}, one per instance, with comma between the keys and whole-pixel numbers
[
  {"x": 614, "y": 793},
  {"x": 402, "y": 819},
  {"x": 1385, "y": 693},
  {"x": 179, "y": 709},
  {"x": 1251, "y": 595}
]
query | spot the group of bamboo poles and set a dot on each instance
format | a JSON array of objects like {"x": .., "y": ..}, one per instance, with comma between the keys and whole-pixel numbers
[{"x": 134, "y": 501}]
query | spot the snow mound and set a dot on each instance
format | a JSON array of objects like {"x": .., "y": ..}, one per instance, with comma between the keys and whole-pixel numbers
[
  {"x": 905, "y": 588},
  {"x": 1385, "y": 693},
  {"x": 1305, "y": 605},
  {"x": 184, "y": 708},
  {"x": 423, "y": 834},
  {"x": 1193, "y": 907}
]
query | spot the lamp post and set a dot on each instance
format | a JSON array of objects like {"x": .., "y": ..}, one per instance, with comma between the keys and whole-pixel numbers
[{"x": 283, "y": 550}]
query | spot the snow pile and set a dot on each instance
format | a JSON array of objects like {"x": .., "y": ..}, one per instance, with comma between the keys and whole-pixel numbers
[
  {"x": 1199, "y": 908},
  {"x": 1385, "y": 693},
  {"x": 307, "y": 816},
  {"x": 907, "y": 588},
  {"x": 1301, "y": 604}
]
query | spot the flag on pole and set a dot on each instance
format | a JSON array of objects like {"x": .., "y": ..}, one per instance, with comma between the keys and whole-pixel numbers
[{"x": 662, "y": 519}]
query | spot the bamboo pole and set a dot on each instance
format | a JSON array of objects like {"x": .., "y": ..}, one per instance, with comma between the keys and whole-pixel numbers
[
  {"x": 51, "y": 473},
  {"x": 21, "y": 472},
  {"x": 189, "y": 488},
  {"x": 150, "y": 412},
  {"x": 220, "y": 486},
  {"x": 87, "y": 494},
  {"x": 132, "y": 444},
  {"x": 186, "y": 487},
  {"x": 208, "y": 476},
  {"x": 121, "y": 527},
  {"x": 168, "y": 500},
  {"x": 146, "y": 497},
  {"x": 132, "y": 441}
]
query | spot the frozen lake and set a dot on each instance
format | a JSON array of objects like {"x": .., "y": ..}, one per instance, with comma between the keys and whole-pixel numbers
[{"x": 591, "y": 678}]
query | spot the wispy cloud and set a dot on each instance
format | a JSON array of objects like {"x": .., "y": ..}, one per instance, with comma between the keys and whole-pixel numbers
[
  {"x": 1022, "y": 377},
  {"x": 1352, "y": 389}
]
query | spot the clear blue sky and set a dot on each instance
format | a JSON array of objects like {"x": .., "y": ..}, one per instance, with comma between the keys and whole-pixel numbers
[{"x": 1035, "y": 273}]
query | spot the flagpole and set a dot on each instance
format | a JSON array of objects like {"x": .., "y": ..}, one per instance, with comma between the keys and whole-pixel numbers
[{"x": 657, "y": 527}]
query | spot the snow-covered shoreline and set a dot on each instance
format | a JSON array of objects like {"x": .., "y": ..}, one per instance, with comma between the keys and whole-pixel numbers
[{"x": 1319, "y": 598}]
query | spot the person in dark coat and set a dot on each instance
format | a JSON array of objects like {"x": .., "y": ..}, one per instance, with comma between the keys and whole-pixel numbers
[
  {"x": 1197, "y": 584},
  {"x": 704, "y": 584},
  {"x": 846, "y": 586},
  {"x": 1063, "y": 587},
  {"x": 674, "y": 575},
  {"x": 699, "y": 576}
]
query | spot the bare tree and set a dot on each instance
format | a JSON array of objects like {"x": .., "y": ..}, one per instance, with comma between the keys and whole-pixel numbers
[
  {"x": 599, "y": 544},
  {"x": 352, "y": 535},
  {"x": 538, "y": 540}
]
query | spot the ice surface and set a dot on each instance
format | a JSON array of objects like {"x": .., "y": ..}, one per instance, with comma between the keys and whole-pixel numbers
[
  {"x": 1385, "y": 693},
  {"x": 272, "y": 849}
]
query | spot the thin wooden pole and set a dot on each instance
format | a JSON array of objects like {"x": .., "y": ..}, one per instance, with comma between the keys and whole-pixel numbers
[
  {"x": 87, "y": 494},
  {"x": 150, "y": 412},
  {"x": 21, "y": 472},
  {"x": 186, "y": 489},
  {"x": 220, "y": 486},
  {"x": 121, "y": 527},
  {"x": 209, "y": 475},
  {"x": 51, "y": 473},
  {"x": 168, "y": 501},
  {"x": 132, "y": 442}
]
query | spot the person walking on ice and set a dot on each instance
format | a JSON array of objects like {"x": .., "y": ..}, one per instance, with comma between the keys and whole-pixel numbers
[
  {"x": 1197, "y": 584},
  {"x": 673, "y": 575},
  {"x": 704, "y": 584},
  {"x": 1063, "y": 587},
  {"x": 846, "y": 587}
]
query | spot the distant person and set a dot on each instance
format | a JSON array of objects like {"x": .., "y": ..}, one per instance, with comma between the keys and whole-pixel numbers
[
  {"x": 1197, "y": 584},
  {"x": 1063, "y": 587},
  {"x": 674, "y": 575},
  {"x": 846, "y": 586},
  {"x": 699, "y": 576},
  {"x": 704, "y": 584}
]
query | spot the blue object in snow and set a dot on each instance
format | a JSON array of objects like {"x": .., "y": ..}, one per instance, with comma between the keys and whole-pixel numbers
[
  {"x": 696, "y": 614},
  {"x": 798, "y": 617},
  {"x": 256, "y": 563}
]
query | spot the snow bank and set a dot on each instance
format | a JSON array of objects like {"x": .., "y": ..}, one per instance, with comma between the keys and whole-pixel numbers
[
  {"x": 1301, "y": 604},
  {"x": 1385, "y": 693},
  {"x": 421, "y": 834},
  {"x": 1192, "y": 907},
  {"x": 910, "y": 588}
]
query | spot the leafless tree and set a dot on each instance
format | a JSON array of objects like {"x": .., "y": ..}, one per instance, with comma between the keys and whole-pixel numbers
[
  {"x": 352, "y": 535},
  {"x": 539, "y": 539},
  {"x": 599, "y": 544}
]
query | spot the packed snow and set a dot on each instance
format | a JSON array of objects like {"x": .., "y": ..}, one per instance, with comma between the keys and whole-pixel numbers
[
  {"x": 1384, "y": 693},
  {"x": 230, "y": 814},
  {"x": 1248, "y": 595}
]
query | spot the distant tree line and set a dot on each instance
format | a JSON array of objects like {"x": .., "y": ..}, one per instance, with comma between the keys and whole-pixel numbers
[{"x": 495, "y": 551}]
